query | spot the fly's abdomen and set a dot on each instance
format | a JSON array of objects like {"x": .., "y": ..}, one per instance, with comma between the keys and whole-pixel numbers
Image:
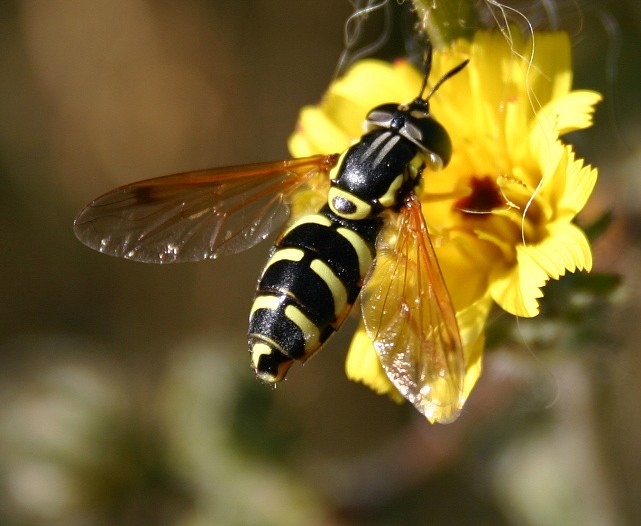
[{"x": 310, "y": 282}]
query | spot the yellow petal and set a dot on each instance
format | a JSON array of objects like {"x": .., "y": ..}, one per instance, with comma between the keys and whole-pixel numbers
[
  {"x": 316, "y": 133},
  {"x": 573, "y": 111},
  {"x": 517, "y": 289},
  {"x": 362, "y": 365},
  {"x": 337, "y": 122},
  {"x": 346, "y": 114},
  {"x": 516, "y": 74},
  {"x": 299, "y": 146},
  {"x": 465, "y": 264},
  {"x": 550, "y": 74},
  {"x": 547, "y": 150},
  {"x": 567, "y": 182},
  {"x": 579, "y": 181},
  {"x": 372, "y": 82},
  {"x": 471, "y": 323},
  {"x": 474, "y": 357},
  {"x": 566, "y": 249}
]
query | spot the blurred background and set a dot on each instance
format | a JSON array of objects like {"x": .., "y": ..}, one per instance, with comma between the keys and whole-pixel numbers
[{"x": 125, "y": 391}]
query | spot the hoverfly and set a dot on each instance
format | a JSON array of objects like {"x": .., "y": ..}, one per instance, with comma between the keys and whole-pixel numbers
[{"x": 368, "y": 238}]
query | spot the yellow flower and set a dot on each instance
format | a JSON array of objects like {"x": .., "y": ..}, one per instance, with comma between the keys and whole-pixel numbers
[{"x": 500, "y": 214}]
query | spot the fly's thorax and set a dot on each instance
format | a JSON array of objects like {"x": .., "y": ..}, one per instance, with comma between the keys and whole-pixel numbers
[
  {"x": 414, "y": 122},
  {"x": 374, "y": 174}
]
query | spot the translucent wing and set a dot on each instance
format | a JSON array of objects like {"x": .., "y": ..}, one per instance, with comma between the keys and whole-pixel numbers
[
  {"x": 198, "y": 215},
  {"x": 410, "y": 319}
]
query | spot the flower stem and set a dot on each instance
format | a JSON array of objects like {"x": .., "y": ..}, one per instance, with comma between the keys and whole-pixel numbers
[{"x": 444, "y": 21}]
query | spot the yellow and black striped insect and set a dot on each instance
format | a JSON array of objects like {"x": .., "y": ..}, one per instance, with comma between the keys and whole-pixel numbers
[{"x": 368, "y": 238}]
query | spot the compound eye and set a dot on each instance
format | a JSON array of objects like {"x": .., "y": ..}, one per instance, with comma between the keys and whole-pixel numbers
[{"x": 435, "y": 142}]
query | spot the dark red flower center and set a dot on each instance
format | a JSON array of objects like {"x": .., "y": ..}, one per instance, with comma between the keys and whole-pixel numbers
[{"x": 484, "y": 197}]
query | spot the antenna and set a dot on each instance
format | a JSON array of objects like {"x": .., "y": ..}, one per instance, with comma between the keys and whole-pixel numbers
[
  {"x": 448, "y": 76},
  {"x": 428, "y": 68}
]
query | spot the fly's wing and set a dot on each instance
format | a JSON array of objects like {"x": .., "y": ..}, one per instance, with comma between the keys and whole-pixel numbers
[
  {"x": 410, "y": 319},
  {"x": 200, "y": 215}
]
